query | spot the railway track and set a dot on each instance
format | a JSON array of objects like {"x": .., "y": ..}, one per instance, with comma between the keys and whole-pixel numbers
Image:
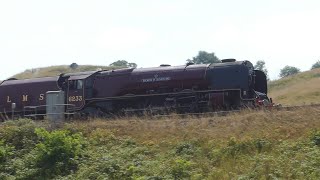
[{"x": 224, "y": 113}]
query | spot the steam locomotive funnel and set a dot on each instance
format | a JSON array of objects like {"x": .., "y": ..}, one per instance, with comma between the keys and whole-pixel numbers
[
  {"x": 228, "y": 60},
  {"x": 165, "y": 65}
]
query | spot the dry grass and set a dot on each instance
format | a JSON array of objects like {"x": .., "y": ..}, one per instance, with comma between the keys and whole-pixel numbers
[
  {"x": 56, "y": 70},
  {"x": 300, "y": 93},
  {"x": 299, "y": 89},
  {"x": 245, "y": 125}
]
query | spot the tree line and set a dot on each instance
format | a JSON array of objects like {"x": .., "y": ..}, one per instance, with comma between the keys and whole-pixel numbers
[
  {"x": 285, "y": 71},
  {"x": 204, "y": 57}
]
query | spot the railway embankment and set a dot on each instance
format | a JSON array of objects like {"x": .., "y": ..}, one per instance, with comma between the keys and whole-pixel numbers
[
  {"x": 245, "y": 145},
  {"x": 299, "y": 89}
]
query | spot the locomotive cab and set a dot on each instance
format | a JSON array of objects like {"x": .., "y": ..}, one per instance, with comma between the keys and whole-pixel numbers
[
  {"x": 78, "y": 88},
  {"x": 75, "y": 93},
  {"x": 260, "y": 82}
]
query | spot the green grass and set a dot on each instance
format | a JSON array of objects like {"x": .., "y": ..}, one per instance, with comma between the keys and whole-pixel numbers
[{"x": 248, "y": 145}]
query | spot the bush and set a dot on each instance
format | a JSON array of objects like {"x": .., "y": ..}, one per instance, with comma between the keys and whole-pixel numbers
[
  {"x": 316, "y": 65},
  {"x": 185, "y": 149},
  {"x": 288, "y": 71},
  {"x": 74, "y": 66},
  {"x": 315, "y": 137},
  {"x": 119, "y": 161},
  {"x": 20, "y": 134},
  {"x": 5, "y": 152},
  {"x": 58, "y": 152},
  {"x": 181, "y": 169}
]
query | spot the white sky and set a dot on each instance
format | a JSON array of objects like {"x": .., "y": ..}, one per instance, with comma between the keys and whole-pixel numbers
[{"x": 38, "y": 33}]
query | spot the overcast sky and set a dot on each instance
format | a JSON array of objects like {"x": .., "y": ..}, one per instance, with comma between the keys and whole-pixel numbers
[{"x": 38, "y": 33}]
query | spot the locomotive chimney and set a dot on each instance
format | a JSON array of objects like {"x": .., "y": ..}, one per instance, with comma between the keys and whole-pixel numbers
[
  {"x": 165, "y": 65},
  {"x": 228, "y": 60}
]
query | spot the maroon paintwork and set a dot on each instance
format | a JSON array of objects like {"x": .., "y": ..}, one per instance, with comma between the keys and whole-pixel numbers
[
  {"x": 28, "y": 92},
  {"x": 112, "y": 90},
  {"x": 140, "y": 81},
  {"x": 105, "y": 85}
]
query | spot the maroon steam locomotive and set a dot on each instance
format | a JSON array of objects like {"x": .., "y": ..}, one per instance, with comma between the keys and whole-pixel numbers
[{"x": 189, "y": 88}]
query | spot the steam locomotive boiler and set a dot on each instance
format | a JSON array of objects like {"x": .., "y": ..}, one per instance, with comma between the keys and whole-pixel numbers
[{"x": 189, "y": 88}]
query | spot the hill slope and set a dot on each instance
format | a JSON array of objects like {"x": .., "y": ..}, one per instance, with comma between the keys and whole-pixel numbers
[
  {"x": 57, "y": 70},
  {"x": 299, "y": 89}
]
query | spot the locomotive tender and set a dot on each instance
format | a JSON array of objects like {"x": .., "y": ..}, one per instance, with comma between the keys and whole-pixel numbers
[{"x": 189, "y": 88}]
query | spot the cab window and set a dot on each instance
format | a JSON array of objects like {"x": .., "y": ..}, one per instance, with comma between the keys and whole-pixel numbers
[
  {"x": 76, "y": 84},
  {"x": 79, "y": 84}
]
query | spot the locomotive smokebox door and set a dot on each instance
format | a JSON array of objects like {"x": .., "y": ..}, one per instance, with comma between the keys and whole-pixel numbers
[{"x": 76, "y": 93}]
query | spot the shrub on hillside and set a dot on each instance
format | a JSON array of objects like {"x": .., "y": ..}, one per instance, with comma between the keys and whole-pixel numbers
[
  {"x": 20, "y": 133},
  {"x": 181, "y": 169},
  {"x": 236, "y": 148},
  {"x": 185, "y": 149},
  {"x": 288, "y": 71},
  {"x": 316, "y": 65},
  {"x": 5, "y": 152},
  {"x": 315, "y": 137},
  {"x": 74, "y": 66},
  {"x": 57, "y": 152}
]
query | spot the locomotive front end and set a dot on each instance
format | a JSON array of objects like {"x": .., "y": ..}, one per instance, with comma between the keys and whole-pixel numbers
[{"x": 236, "y": 84}]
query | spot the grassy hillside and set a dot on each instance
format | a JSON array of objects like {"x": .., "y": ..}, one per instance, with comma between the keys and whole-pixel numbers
[
  {"x": 303, "y": 88},
  {"x": 56, "y": 70},
  {"x": 250, "y": 145}
]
